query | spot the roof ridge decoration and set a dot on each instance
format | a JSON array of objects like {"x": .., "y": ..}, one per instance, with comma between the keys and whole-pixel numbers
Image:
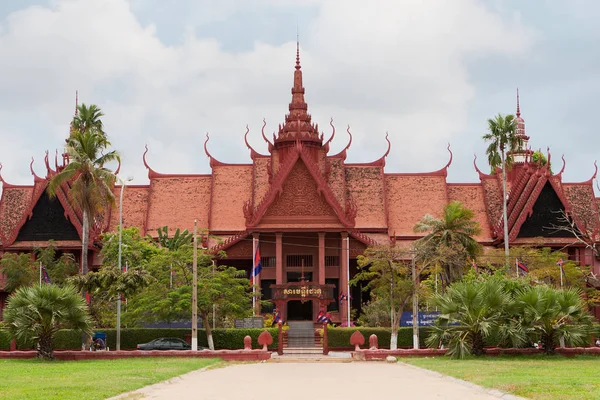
[
  {"x": 380, "y": 162},
  {"x": 356, "y": 234},
  {"x": 213, "y": 161},
  {"x": 342, "y": 154},
  {"x": 253, "y": 153},
  {"x": 36, "y": 178},
  {"x": 482, "y": 175},
  {"x": 559, "y": 175},
  {"x": 265, "y": 137},
  {"x": 4, "y": 183},
  {"x": 326, "y": 145},
  {"x": 49, "y": 171},
  {"x": 151, "y": 173}
]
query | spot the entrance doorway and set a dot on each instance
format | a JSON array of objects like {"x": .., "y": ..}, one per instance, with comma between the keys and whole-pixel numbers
[{"x": 299, "y": 311}]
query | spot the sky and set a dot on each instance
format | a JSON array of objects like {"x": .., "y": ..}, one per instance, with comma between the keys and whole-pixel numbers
[{"x": 427, "y": 72}]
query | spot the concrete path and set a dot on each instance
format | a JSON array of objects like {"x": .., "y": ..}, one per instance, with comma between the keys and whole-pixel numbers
[{"x": 301, "y": 381}]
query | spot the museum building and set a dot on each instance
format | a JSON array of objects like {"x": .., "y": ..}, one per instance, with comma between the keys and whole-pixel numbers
[{"x": 310, "y": 212}]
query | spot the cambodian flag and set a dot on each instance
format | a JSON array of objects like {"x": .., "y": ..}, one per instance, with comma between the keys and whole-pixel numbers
[
  {"x": 320, "y": 316},
  {"x": 277, "y": 319},
  {"x": 522, "y": 267},
  {"x": 257, "y": 263},
  {"x": 45, "y": 275}
]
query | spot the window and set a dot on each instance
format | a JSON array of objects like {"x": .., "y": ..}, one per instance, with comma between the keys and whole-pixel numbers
[
  {"x": 294, "y": 260},
  {"x": 332, "y": 261},
  {"x": 268, "y": 262}
]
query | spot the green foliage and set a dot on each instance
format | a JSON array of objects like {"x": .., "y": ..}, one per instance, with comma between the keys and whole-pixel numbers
[
  {"x": 24, "y": 269},
  {"x": 389, "y": 279},
  {"x": 471, "y": 314},
  {"x": 38, "y": 312},
  {"x": 549, "y": 314},
  {"x": 231, "y": 339},
  {"x": 90, "y": 182},
  {"x": 449, "y": 243},
  {"x": 502, "y": 135},
  {"x": 179, "y": 238},
  {"x": 340, "y": 337}
]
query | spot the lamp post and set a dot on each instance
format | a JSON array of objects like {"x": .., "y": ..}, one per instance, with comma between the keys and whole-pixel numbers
[{"x": 123, "y": 183}]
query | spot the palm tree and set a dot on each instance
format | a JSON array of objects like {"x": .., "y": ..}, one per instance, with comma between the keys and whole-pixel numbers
[
  {"x": 36, "y": 313},
  {"x": 551, "y": 314},
  {"x": 504, "y": 141},
  {"x": 88, "y": 118},
  {"x": 472, "y": 313},
  {"x": 90, "y": 182},
  {"x": 450, "y": 241}
]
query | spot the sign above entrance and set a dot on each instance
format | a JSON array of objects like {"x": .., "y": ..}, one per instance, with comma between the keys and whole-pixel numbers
[{"x": 302, "y": 291}]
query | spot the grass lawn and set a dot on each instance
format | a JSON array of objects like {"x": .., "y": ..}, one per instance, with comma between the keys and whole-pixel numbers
[
  {"x": 90, "y": 379},
  {"x": 535, "y": 377}
]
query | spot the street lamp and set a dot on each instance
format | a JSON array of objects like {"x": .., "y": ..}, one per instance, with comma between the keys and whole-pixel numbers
[{"x": 123, "y": 183}]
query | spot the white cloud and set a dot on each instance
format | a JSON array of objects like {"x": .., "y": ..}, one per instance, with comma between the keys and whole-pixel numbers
[{"x": 379, "y": 66}]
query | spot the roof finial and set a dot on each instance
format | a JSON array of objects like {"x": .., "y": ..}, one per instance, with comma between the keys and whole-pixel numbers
[
  {"x": 297, "y": 49},
  {"x": 518, "y": 105},
  {"x": 76, "y": 102}
]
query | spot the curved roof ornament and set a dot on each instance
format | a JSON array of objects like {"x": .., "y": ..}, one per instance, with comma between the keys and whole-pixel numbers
[
  {"x": 151, "y": 172},
  {"x": 213, "y": 161},
  {"x": 449, "y": 161},
  {"x": 326, "y": 145},
  {"x": 1, "y": 178},
  {"x": 35, "y": 177},
  {"x": 481, "y": 174},
  {"x": 56, "y": 160},
  {"x": 49, "y": 170},
  {"x": 343, "y": 152},
  {"x": 253, "y": 153},
  {"x": 389, "y": 145},
  {"x": 595, "y": 172},
  {"x": 265, "y": 136},
  {"x": 563, "y": 166},
  {"x": 118, "y": 166}
]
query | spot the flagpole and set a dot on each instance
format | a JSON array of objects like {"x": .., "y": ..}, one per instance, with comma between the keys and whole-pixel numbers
[
  {"x": 348, "y": 277},
  {"x": 517, "y": 266},
  {"x": 561, "y": 274},
  {"x": 40, "y": 273},
  {"x": 253, "y": 276},
  {"x": 195, "y": 292}
]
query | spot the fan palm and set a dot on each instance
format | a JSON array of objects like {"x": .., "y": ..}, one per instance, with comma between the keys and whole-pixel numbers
[
  {"x": 89, "y": 181},
  {"x": 551, "y": 314},
  {"x": 470, "y": 314},
  {"x": 36, "y": 313},
  {"x": 504, "y": 141},
  {"x": 450, "y": 241}
]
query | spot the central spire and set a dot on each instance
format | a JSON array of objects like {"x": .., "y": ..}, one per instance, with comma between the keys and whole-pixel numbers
[{"x": 298, "y": 124}]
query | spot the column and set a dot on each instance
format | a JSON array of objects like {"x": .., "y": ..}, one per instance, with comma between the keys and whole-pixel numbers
[
  {"x": 321, "y": 258},
  {"x": 343, "y": 275},
  {"x": 278, "y": 259}
]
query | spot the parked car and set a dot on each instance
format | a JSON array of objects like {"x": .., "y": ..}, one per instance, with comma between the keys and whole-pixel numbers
[{"x": 165, "y": 344}]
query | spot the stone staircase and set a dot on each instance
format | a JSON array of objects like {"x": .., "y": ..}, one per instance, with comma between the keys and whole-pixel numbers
[{"x": 301, "y": 338}]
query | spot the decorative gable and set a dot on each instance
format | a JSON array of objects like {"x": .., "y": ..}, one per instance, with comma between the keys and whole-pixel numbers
[
  {"x": 48, "y": 221},
  {"x": 299, "y": 200},
  {"x": 544, "y": 214}
]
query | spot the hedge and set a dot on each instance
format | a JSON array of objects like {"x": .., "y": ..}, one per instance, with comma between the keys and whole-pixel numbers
[
  {"x": 223, "y": 338},
  {"x": 340, "y": 337}
]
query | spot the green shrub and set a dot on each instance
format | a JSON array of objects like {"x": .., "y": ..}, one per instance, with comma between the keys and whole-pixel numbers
[
  {"x": 130, "y": 337},
  {"x": 340, "y": 337},
  {"x": 4, "y": 340}
]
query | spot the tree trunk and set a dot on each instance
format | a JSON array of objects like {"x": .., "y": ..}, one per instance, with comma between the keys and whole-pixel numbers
[
  {"x": 45, "y": 348},
  {"x": 84, "y": 243},
  {"x": 504, "y": 212},
  {"x": 548, "y": 343},
  {"x": 208, "y": 330},
  {"x": 394, "y": 339},
  {"x": 478, "y": 344}
]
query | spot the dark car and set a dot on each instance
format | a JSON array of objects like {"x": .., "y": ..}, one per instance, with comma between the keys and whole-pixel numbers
[{"x": 165, "y": 344}]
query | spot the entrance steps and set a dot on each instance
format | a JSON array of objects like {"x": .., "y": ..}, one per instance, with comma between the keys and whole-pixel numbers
[
  {"x": 311, "y": 358},
  {"x": 301, "y": 334}
]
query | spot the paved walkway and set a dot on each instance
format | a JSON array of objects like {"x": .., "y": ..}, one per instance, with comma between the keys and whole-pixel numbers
[{"x": 300, "y": 381}]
